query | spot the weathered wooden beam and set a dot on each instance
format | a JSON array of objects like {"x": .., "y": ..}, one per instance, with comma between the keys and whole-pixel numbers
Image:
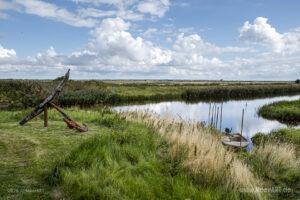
[
  {"x": 40, "y": 107},
  {"x": 46, "y": 116},
  {"x": 59, "y": 109},
  {"x": 70, "y": 123}
]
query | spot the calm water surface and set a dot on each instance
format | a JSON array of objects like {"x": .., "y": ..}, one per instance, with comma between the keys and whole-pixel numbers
[{"x": 232, "y": 113}]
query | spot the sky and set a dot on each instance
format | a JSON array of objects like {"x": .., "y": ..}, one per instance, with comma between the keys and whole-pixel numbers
[{"x": 150, "y": 39}]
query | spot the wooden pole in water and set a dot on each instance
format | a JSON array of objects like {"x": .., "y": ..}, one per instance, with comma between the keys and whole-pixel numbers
[
  {"x": 221, "y": 115},
  {"x": 212, "y": 115},
  {"x": 217, "y": 119},
  {"x": 46, "y": 116},
  {"x": 208, "y": 121},
  {"x": 242, "y": 127}
]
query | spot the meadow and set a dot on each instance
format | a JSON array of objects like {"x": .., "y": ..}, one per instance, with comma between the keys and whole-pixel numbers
[{"x": 134, "y": 156}]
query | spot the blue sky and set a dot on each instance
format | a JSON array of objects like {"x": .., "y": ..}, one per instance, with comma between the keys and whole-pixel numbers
[{"x": 155, "y": 39}]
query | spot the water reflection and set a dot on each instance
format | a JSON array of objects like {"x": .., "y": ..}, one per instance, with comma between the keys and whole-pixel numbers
[{"x": 232, "y": 113}]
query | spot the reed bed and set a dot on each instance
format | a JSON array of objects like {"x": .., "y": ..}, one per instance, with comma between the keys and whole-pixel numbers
[
  {"x": 239, "y": 92},
  {"x": 203, "y": 155}
]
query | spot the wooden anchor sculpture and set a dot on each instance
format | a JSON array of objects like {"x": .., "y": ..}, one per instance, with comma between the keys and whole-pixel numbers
[{"x": 48, "y": 102}]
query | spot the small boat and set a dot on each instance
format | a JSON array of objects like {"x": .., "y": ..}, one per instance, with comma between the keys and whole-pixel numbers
[{"x": 234, "y": 140}]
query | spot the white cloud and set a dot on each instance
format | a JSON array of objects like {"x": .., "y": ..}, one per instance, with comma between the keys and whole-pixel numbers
[
  {"x": 113, "y": 41},
  {"x": 154, "y": 7},
  {"x": 261, "y": 32},
  {"x": 194, "y": 43},
  {"x": 118, "y": 3},
  {"x": 51, "y": 11},
  {"x": 93, "y": 12},
  {"x": 7, "y": 53}
]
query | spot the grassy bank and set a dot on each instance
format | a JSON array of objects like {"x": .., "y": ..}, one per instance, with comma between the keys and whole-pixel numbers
[
  {"x": 276, "y": 157},
  {"x": 284, "y": 111},
  {"x": 132, "y": 156},
  {"x": 116, "y": 159},
  {"x": 21, "y": 93}
]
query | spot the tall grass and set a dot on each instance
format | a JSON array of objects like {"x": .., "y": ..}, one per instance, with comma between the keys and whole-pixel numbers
[
  {"x": 278, "y": 164},
  {"x": 203, "y": 155},
  {"x": 278, "y": 157},
  {"x": 126, "y": 161}
]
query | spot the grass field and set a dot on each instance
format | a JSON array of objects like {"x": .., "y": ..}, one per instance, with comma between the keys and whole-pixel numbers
[
  {"x": 134, "y": 156},
  {"x": 114, "y": 160},
  {"x": 284, "y": 111}
]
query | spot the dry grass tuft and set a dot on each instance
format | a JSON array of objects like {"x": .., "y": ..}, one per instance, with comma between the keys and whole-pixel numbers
[
  {"x": 277, "y": 156},
  {"x": 204, "y": 156}
]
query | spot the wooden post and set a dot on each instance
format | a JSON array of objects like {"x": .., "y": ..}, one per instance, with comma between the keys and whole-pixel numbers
[
  {"x": 242, "y": 127},
  {"x": 46, "y": 116},
  {"x": 208, "y": 121},
  {"x": 217, "y": 118},
  {"x": 212, "y": 116},
  {"x": 221, "y": 116}
]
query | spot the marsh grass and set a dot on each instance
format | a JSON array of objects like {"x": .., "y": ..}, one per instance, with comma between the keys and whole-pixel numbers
[
  {"x": 22, "y": 93},
  {"x": 275, "y": 158},
  {"x": 201, "y": 152},
  {"x": 283, "y": 111},
  {"x": 129, "y": 161},
  {"x": 239, "y": 92}
]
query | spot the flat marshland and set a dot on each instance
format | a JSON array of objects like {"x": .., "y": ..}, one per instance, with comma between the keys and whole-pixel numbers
[
  {"x": 138, "y": 155},
  {"x": 22, "y": 93}
]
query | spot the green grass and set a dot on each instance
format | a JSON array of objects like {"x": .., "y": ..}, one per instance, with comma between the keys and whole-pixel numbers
[
  {"x": 114, "y": 160},
  {"x": 281, "y": 174},
  {"x": 28, "y": 154},
  {"x": 284, "y": 111},
  {"x": 287, "y": 135}
]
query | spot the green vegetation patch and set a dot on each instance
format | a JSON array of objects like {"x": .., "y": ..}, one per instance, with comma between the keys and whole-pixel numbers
[
  {"x": 130, "y": 162},
  {"x": 114, "y": 160},
  {"x": 275, "y": 158},
  {"x": 287, "y": 135},
  {"x": 284, "y": 111}
]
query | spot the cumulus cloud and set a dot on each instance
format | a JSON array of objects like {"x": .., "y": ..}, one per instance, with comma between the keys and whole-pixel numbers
[
  {"x": 7, "y": 53},
  {"x": 154, "y": 7},
  {"x": 194, "y": 43},
  {"x": 113, "y": 41},
  {"x": 261, "y": 32}
]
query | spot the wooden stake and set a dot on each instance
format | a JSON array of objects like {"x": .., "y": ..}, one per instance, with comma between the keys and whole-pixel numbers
[
  {"x": 46, "y": 116},
  {"x": 242, "y": 126},
  {"x": 217, "y": 119},
  {"x": 208, "y": 122},
  {"x": 221, "y": 115},
  {"x": 212, "y": 116}
]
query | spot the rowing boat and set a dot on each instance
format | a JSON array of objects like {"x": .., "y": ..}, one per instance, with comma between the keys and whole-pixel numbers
[{"x": 234, "y": 140}]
